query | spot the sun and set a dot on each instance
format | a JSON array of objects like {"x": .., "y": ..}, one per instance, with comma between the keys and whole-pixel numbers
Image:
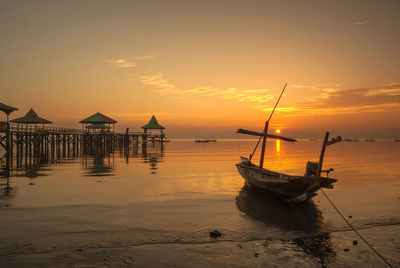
[{"x": 278, "y": 131}]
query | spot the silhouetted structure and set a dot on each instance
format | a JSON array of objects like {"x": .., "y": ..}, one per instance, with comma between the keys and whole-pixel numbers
[
  {"x": 7, "y": 109},
  {"x": 98, "y": 121},
  {"x": 31, "y": 117},
  {"x": 153, "y": 124},
  {"x": 28, "y": 143},
  {"x": 5, "y": 128}
]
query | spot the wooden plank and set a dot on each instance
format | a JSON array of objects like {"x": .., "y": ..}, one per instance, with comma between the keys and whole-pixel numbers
[
  {"x": 261, "y": 134},
  {"x": 250, "y": 132}
]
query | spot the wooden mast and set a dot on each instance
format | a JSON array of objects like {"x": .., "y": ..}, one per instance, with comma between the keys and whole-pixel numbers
[
  {"x": 266, "y": 130},
  {"x": 263, "y": 144}
]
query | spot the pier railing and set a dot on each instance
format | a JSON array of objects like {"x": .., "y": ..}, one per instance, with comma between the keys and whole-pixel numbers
[
  {"x": 37, "y": 128},
  {"x": 24, "y": 128}
]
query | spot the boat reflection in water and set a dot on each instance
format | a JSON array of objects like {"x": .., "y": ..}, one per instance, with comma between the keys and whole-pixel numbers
[
  {"x": 275, "y": 211},
  {"x": 304, "y": 217}
]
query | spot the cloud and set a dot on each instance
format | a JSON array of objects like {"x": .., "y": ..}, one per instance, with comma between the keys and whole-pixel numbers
[
  {"x": 145, "y": 57},
  {"x": 361, "y": 22},
  {"x": 159, "y": 82},
  {"x": 384, "y": 91},
  {"x": 385, "y": 98},
  {"x": 329, "y": 100},
  {"x": 296, "y": 111},
  {"x": 120, "y": 63},
  {"x": 240, "y": 95},
  {"x": 316, "y": 87}
]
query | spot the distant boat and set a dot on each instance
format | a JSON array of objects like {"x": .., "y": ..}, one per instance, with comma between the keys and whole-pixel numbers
[
  {"x": 370, "y": 140},
  {"x": 353, "y": 140},
  {"x": 397, "y": 140},
  {"x": 205, "y": 140},
  {"x": 294, "y": 189},
  {"x": 202, "y": 140}
]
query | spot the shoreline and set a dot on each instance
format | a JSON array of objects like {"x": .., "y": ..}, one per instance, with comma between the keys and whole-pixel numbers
[{"x": 318, "y": 250}]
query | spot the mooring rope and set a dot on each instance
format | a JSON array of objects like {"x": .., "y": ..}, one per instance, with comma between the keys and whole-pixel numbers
[{"x": 354, "y": 229}]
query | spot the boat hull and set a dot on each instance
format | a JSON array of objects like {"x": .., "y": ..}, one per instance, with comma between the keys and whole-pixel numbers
[{"x": 294, "y": 189}]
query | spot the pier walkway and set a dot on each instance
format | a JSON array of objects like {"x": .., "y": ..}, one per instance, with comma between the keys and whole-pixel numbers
[{"x": 31, "y": 140}]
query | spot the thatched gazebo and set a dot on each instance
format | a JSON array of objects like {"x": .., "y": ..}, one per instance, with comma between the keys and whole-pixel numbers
[
  {"x": 98, "y": 127},
  {"x": 7, "y": 109},
  {"x": 31, "y": 118},
  {"x": 98, "y": 121},
  {"x": 153, "y": 124}
]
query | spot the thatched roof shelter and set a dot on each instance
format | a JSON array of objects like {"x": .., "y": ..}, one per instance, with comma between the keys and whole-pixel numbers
[
  {"x": 153, "y": 124},
  {"x": 31, "y": 117},
  {"x": 98, "y": 118},
  {"x": 98, "y": 121},
  {"x": 6, "y": 108}
]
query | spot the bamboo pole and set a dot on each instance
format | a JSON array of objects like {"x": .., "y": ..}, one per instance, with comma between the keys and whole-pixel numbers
[{"x": 263, "y": 144}]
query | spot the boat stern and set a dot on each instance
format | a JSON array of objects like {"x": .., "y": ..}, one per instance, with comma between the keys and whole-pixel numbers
[{"x": 327, "y": 182}]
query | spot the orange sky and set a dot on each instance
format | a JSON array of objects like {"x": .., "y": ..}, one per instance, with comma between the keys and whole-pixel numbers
[{"x": 206, "y": 68}]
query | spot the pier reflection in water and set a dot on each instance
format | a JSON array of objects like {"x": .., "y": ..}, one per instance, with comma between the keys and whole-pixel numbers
[
  {"x": 6, "y": 191},
  {"x": 98, "y": 165},
  {"x": 153, "y": 159},
  {"x": 305, "y": 218},
  {"x": 153, "y": 155}
]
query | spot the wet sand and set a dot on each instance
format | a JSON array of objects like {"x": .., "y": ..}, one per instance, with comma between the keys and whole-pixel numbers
[{"x": 326, "y": 250}]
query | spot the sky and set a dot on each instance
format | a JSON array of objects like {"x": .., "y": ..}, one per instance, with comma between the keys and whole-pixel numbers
[{"x": 205, "y": 68}]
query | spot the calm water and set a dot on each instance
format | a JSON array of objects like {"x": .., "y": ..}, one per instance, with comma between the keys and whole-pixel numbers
[{"x": 179, "y": 194}]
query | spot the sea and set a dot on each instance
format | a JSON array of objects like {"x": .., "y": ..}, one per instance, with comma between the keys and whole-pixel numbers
[{"x": 157, "y": 208}]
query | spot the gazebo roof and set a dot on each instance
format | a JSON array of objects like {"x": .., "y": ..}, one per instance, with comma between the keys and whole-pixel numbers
[
  {"x": 6, "y": 108},
  {"x": 31, "y": 117},
  {"x": 98, "y": 118},
  {"x": 98, "y": 126},
  {"x": 153, "y": 124}
]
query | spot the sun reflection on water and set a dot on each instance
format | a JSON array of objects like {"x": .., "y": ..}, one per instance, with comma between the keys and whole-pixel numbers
[{"x": 278, "y": 147}]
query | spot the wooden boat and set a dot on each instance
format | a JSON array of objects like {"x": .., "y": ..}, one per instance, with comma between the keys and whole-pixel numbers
[{"x": 294, "y": 189}]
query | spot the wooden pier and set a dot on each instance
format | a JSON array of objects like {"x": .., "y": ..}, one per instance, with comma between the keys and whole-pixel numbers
[{"x": 30, "y": 141}]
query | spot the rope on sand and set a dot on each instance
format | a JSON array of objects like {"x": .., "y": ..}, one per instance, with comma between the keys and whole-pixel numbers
[{"x": 351, "y": 226}]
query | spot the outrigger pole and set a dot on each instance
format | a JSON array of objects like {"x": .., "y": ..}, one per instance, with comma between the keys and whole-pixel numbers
[
  {"x": 326, "y": 143},
  {"x": 265, "y": 134}
]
